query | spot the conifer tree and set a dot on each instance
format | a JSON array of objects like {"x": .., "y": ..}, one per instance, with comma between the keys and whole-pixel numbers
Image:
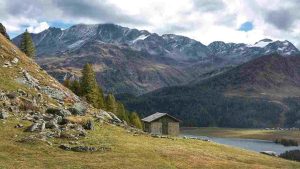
[
  {"x": 75, "y": 87},
  {"x": 3, "y": 31},
  {"x": 135, "y": 120},
  {"x": 121, "y": 112},
  {"x": 27, "y": 45},
  {"x": 111, "y": 104},
  {"x": 67, "y": 83},
  {"x": 89, "y": 87}
]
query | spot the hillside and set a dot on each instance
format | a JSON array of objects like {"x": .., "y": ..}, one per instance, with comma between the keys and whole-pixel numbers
[
  {"x": 261, "y": 93},
  {"x": 137, "y": 61},
  {"x": 44, "y": 125}
]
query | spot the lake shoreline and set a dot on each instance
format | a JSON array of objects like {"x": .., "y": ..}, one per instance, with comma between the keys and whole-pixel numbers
[{"x": 245, "y": 133}]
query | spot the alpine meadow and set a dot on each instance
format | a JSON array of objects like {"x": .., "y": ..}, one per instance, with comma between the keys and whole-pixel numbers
[{"x": 150, "y": 84}]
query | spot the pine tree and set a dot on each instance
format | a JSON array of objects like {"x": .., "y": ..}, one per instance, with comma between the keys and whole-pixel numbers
[
  {"x": 135, "y": 120},
  {"x": 27, "y": 45},
  {"x": 111, "y": 104},
  {"x": 3, "y": 31},
  {"x": 121, "y": 112},
  {"x": 89, "y": 87},
  {"x": 67, "y": 83},
  {"x": 75, "y": 87}
]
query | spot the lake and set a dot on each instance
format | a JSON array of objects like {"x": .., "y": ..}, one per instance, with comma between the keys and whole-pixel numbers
[{"x": 249, "y": 144}]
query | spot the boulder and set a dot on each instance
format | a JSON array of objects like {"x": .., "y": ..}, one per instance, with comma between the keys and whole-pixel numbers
[
  {"x": 19, "y": 126},
  {"x": 65, "y": 147},
  {"x": 270, "y": 153},
  {"x": 78, "y": 109},
  {"x": 3, "y": 114},
  {"x": 15, "y": 61},
  {"x": 59, "y": 112},
  {"x": 12, "y": 95},
  {"x": 83, "y": 149},
  {"x": 89, "y": 125},
  {"x": 52, "y": 124},
  {"x": 33, "y": 127},
  {"x": 78, "y": 148}
]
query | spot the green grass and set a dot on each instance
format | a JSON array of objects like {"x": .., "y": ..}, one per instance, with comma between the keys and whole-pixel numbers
[
  {"x": 128, "y": 151},
  {"x": 244, "y": 133}
]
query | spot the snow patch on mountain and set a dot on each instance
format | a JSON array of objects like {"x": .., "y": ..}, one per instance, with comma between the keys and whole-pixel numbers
[
  {"x": 76, "y": 44},
  {"x": 142, "y": 37}
]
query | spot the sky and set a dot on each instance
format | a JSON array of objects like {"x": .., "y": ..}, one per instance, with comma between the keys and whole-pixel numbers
[{"x": 240, "y": 21}]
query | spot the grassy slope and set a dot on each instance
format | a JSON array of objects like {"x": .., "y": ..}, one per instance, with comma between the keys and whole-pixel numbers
[
  {"x": 127, "y": 152},
  {"x": 8, "y": 76},
  {"x": 244, "y": 133}
]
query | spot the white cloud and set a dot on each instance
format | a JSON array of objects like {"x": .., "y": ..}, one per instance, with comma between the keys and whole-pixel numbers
[
  {"x": 203, "y": 20},
  {"x": 38, "y": 28}
]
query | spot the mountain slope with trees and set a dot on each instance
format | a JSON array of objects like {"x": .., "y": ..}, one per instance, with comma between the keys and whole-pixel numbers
[{"x": 260, "y": 93}]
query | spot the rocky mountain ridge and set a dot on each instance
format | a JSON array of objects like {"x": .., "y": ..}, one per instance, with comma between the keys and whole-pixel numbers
[{"x": 144, "y": 61}]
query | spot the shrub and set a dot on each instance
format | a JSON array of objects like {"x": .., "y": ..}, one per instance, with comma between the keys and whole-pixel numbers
[
  {"x": 291, "y": 155},
  {"x": 286, "y": 142}
]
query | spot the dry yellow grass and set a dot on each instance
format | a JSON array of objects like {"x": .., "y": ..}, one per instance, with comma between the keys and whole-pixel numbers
[{"x": 128, "y": 151}]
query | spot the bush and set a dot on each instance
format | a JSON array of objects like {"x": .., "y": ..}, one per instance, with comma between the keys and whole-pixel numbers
[
  {"x": 291, "y": 155},
  {"x": 286, "y": 142}
]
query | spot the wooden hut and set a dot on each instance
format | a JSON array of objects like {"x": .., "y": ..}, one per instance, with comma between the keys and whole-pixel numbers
[{"x": 161, "y": 124}]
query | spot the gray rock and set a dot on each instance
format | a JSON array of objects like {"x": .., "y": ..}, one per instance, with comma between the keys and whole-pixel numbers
[
  {"x": 53, "y": 93},
  {"x": 270, "y": 153},
  {"x": 89, "y": 125},
  {"x": 19, "y": 126},
  {"x": 3, "y": 114},
  {"x": 78, "y": 148},
  {"x": 43, "y": 126},
  {"x": 65, "y": 147},
  {"x": 52, "y": 124},
  {"x": 78, "y": 109},
  {"x": 15, "y": 61},
  {"x": 83, "y": 149},
  {"x": 59, "y": 112},
  {"x": 33, "y": 127},
  {"x": 12, "y": 95}
]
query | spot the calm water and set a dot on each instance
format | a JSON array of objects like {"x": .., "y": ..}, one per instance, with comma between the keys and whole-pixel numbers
[{"x": 249, "y": 144}]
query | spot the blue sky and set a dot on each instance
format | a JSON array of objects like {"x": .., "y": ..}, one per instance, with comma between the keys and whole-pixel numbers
[
  {"x": 245, "y": 21},
  {"x": 246, "y": 27}
]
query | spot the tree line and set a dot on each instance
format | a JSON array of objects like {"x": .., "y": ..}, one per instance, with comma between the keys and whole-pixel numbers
[{"x": 88, "y": 88}]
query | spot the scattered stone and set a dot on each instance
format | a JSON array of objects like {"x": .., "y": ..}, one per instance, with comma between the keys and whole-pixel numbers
[
  {"x": 15, "y": 61},
  {"x": 7, "y": 64},
  {"x": 78, "y": 109},
  {"x": 84, "y": 149},
  {"x": 49, "y": 143},
  {"x": 270, "y": 153},
  {"x": 12, "y": 95},
  {"x": 89, "y": 125},
  {"x": 3, "y": 114},
  {"x": 33, "y": 127},
  {"x": 65, "y": 147},
  {"x": 74, "y": 142},
  {"x": 19, "y": 126},
  {"x": 59, "y": 112},
  {"x": 52, "y": 124},
  {"x": 43, "y": 126}
]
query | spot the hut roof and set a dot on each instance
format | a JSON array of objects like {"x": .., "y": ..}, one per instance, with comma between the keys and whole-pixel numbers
[{"x": 158, "y": 115}]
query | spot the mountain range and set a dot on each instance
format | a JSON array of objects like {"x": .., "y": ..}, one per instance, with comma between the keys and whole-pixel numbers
[
  {"x": 221, "y": 84},
  {"x": 137, "y": 61}
]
